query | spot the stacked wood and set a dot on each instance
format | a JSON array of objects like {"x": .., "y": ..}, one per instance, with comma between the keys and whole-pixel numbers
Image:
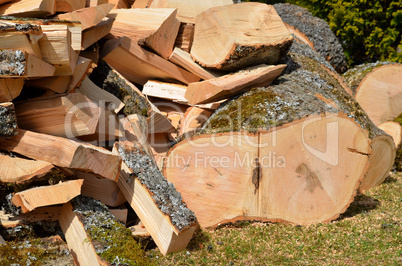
[
  {"x": 29, "y": 8},
  {"x": 314, "y": 32},
  {"x": 377, "y": 88},
  {"x": 18, "y": 63},
  {"x": 247, "y": 34}
]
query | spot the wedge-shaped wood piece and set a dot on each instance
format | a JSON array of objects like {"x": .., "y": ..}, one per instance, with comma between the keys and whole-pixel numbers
[
  {"x": 17, "y": 63},
  {"x": 141, "y": 3},
  {"x": 183, "y": 59},
  {"x": 171, "y": 225},
  {"x": 50, "y": 213},
  {"x": 10, "y": 88},
  {"x": 47, "y": 195},
  {"x": 77, "y": 239},
  {"x": 58, "y": 84},
  {"x": 56, "y": 48},
  {"x": 139, "y": 65},
  {"x": 80, "y": 72},
  {"x": 97, "y": 95},
  {"x": 64, "y": 153},
  {"x": 89, "y": 16},
  {"x": 232, "y": 84},
  {"x": 101, "y": 189},
  {"x": 97, "y": 32},
  {"x": 8, "y": 121},
  {"x": 189, "y": 9},
  {"x": 63, "y": 115},
  {"x": 17, "y": 170},
  {"x": 377, "y": 87},
  {"x": 155, "y": 28},
  {"x": 233, "y": 37},
  {"x": 69, "y": 5},
  {"x": 185, "y": 37},
  {"x": 29, "y": 8}
]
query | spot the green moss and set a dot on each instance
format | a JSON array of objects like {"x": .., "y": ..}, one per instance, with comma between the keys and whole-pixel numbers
[{"x": 399, "y": 119}]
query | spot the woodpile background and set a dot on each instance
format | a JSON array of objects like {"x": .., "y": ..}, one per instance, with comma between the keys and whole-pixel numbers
[{"x": 163, "y": 116}]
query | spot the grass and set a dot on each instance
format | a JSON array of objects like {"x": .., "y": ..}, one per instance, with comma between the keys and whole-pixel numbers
[{"x": 368, "y": 233}]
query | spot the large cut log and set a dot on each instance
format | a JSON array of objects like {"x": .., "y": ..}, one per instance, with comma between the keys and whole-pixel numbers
[
  {"x": 63, "y": 115},
  {"x": 315, "y": 32},
  {"x": 36, "y": 197},
  {"x": 296, "y": 151},
  {"x": 139, "y": 65},
  {"x": 88, "y": 17},
  {"x": 155, "y": 201},
  {"x": 8, "y": 121},
  {"x": 377, "y": 87},
  {"x": 10, "y": 88},
  {"x": 394, "y": 129},
  {"x": 18, "y": 63},
  {"x": 184, "y": 60},
  {"x": 64, "y": 153},
  {"x": 29, "y": 8},
  {"x": 155, "y": 28},
  {"x": 96, "y": 237},
  {"x": 233, "y": 37},
  {"x": 189, "y": 9},
  {"x": 216, "y": 89},
  {"x": 17, "y": 170}
]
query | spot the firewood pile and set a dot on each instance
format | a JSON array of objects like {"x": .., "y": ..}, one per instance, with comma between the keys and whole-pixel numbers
[{"x": 189, "y": 113}]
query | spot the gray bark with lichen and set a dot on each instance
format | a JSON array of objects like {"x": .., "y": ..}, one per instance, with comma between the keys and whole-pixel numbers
[
  {"x": 317, "y": 31},
  {"x": 166, "y": 197},
  {"x": 8, "y": 122},
  {"x": 12, "y": 63}
]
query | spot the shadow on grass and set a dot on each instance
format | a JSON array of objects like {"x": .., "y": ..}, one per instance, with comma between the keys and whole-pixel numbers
[
  {"x": 361, "y": 204},
  {"x": 199, "y": 240},
  {"x": 390, "y": 179}
]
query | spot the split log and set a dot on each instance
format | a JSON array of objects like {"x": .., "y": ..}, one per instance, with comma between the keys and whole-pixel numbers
[
  {"x": 51, "y": 213},
  {"x": 8, "y": 121},
  {"x": 97, "y": 32},
  {"x": 188, "y": 10},
  {"x": 36, "y": 197},
  {"x": 63, "y": 115},
  {"x": 88, "y": 17},
  {"x": 377, "y": 87},
  {"x": 64, "y": 153},
  {"x": 56, "y": 48},
  {"x": 158, "y": 205},
  {"x": 155, "y": 28},
  {"x": 58, "y": 84},
  {"x": 120, "y": 214},
  {"x": 193, "y": 120},
  {"x": 17, "y": 63},
  {"x": 80, "y": 72},
  {"x": 233, "y": 37},
  {"x": 99, "y": 96},
  {"x": 10, "y": 88},
  {"x": 141, "y": 3},
  {"x": 296, "y": 151},
  {"x": 184, "y": 60},
  {"x": 69, "y": 5},
  {"x": 104, "y": 190},
  {"x": 29, "y": 8},
  {"x": 185, "y": 37},
  {"x": 94, "y": 235},
  {"x": 213, "y": 90},
  {"x": 315, "y": 32},
  {"x": 20, "y": 36},
  {"x": 139, "y": 65},
  {"x": 17, "y": 170}
]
